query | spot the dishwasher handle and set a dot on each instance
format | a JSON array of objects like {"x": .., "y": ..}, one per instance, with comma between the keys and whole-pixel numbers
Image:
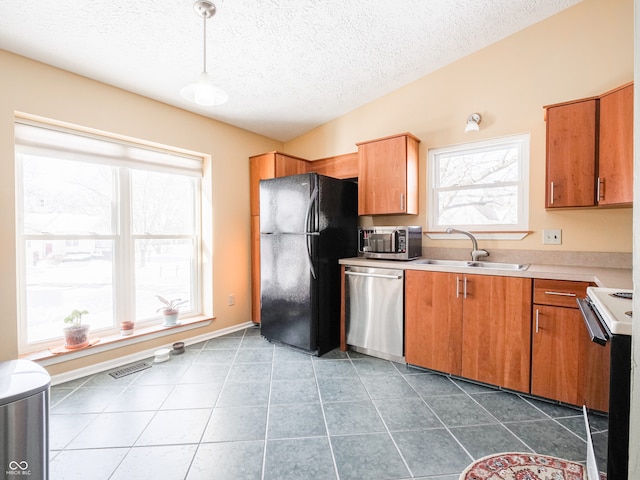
[{"x": 375, "y": 275}]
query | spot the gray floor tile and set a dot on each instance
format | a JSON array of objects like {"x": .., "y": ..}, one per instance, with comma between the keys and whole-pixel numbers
[
  {"x": 236, "y": 423},
  {"x": 250, "y": 372},
  {"x": 352, "y": 417},
  {"x": 244, "y": 394},
  {"x": 295, "y": 421},
  {"x": 294, "y": 391},
  {"x": 249, "y": 332},
  {"x": 223, "y": 343},
  {"x": 186, "y": 358},
  {"x": 167, "y": 462},
  {"x": 341, "y": 389},
  {"x": 87, "y": 400},
  {"x": 406, "y": 414},
  {"x": 431, "y": 452},
  {"x": 335, "y": 354},
  {"x": 197, "y": 373},
  {"x": 431, "y": 384},
  {"x": 455, "y": 411},
  {"x": 64, "y": 428},
  {"x": 140, "y": 398},
  {"x": 554, "y": 409},
  {"x": 283, "y": 354},
  {"x": 161, "y": 374},
  {"x": 485, "y": 440},
  {"x": 335, "y": 369},
  {"x": 292, "y": 370},
  {"x": 302, "y": 458},
  {"x": 103, "y": 379},
  {"x": 254, "y": 355},
  {"x": 98, "y": 464},
  {"x": 473, "y": 387},
  {"x": 547, "y": 437},
  {"x": 374, "y": 367},
  {"x": 227, "y": 461},
  {"x": 193, "y": 395},
  {"x": 367, "y": 456},
  {"x": 119, "y": 429},
  {"x": 256, "y": 342},
  {"x": 58, "y": 394},
  {"x": 388, "y": 387},
  {"x": 508, "y": 407},
  {"x": 576, "y": 425},
  {"x": 174, "y": 427},
  {"x": 216, "y": 356}
]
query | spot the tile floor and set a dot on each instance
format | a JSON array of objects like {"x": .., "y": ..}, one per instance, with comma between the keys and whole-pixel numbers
[{"x": 238, "y": 407}]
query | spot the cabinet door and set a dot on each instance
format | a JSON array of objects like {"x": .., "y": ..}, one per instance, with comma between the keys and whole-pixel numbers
[
  {"x": 388, "y": 176},
  {"x": 255, "y": 268},
  {"x": 615, "y": 171},
  {"x": 496, "y": 330},
  {"x": 433, "y": 320},
  {"x": 261, "y": 167},
  {"x": 286, "y": 165},
  {"x": 571, "y": 154},
  {"x": 555, "y": 353},
  {"x": 593, "y": 380}
]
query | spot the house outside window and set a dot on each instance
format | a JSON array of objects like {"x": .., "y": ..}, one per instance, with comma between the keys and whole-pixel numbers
[
  {"x": 103, "y": 225},
  {"x": 480, "y": 186}
]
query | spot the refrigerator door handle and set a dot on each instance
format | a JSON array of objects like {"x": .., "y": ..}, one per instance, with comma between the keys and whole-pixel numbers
[{"x": 310, "y": 227}]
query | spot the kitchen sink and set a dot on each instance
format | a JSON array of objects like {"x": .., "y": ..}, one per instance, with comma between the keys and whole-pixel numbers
[{"x": 468, "y": 263}]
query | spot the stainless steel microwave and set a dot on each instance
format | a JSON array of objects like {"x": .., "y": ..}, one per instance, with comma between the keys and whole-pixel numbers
[{"x": 390, "y": 243}]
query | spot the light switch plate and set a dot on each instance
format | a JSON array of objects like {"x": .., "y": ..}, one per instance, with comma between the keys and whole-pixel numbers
[{"x": 552, "y": 237}]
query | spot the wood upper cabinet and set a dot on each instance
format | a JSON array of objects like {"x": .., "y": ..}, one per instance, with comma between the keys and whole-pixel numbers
[
  {"x": 433, "y": 321},
  {"x": 476, "y": 326},
  {"x": 571, "y": 154},
  {"x": 590, "y": 151},
  {"x": 615, "y": 172},
  {"x": 388, "y": 175},
  {"x": 496, "y": 330},
  {"x": 566, "y": 365}
]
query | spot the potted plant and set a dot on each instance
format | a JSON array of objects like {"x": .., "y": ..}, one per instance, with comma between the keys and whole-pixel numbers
[
  {"x": 126, "y": 328},
  {"x": 76, "y": 334},
  {"x": 170, "y": 310}
]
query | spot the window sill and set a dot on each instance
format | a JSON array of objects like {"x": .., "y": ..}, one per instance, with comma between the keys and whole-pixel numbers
[
  {"x": 110, "y": 342},
  {"x": 479, "y": 235}
]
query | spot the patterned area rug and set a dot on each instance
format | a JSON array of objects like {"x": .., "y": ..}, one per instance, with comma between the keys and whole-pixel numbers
[{"x": 524, "y": 466}]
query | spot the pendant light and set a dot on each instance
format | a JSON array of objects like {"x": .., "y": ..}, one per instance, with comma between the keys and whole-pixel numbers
[{"x": 202, "y": 91}]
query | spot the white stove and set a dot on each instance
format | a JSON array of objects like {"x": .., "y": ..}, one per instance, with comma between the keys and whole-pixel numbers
[{"x": 614, "y": 306}]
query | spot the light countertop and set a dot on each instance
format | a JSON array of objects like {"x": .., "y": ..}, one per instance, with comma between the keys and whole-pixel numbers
[{"x": 602, "y": 277}]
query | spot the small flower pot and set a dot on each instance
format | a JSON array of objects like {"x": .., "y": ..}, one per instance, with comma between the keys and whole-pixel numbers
[
  {"x": 76, "y": 337},
  {"x": 126, "y": 328},
  {"x": 170, "y": 317}
]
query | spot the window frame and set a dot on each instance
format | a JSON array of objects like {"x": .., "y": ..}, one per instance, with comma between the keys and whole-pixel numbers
[
  {"x": 123, "y": 269},
  {"x": 517, "y": 231}
]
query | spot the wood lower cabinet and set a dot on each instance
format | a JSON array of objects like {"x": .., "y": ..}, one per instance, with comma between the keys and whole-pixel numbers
[
  {"x": 388, "y": 175},
  {"x": 496, "y": 330},
  {"x": 433, "y": 321},
  {"x": 566, "y": 365},
  {"x": 476, "y": 326}
]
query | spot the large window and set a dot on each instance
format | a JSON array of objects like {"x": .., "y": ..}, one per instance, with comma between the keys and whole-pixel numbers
[
  {"x": 103, "y": 225},
  {"x": 480, "y": 186}
]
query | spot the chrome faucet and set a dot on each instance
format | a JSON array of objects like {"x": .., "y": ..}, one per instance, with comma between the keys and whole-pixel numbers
[{"x": 475, "y": 253}]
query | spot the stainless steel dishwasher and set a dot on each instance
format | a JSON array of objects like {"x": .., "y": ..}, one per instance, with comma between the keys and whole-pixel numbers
[{"x": 375, "y": 311}]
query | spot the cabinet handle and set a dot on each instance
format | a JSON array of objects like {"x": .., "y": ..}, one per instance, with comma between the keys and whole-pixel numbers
[
  {"x": 464, "y": 294},
  {"x": 552, "y": 193},
  {"x": 561, "y": 294},
  {"x": 537, "y": 320},
  {"x": 402, "y": 202},
  {"x": 457, "y": 287},
  {"x": 600, "y": 189}
]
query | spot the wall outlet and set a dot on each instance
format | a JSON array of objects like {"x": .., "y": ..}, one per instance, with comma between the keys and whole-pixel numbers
[
  {"x": 231, "y": 300},
  {"x": 552, "y": 237}
]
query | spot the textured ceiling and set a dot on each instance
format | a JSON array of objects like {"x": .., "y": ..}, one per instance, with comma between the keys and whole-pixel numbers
[{"x": 287, "y": 65}]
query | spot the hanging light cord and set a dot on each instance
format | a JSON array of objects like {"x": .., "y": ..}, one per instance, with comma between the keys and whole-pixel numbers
[{"x": 204, "y": 59}]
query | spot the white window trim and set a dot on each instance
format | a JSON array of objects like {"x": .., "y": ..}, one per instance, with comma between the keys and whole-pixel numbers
[
  {"x": 189, "y": 162},
  {"x": 488, "y": 232}
]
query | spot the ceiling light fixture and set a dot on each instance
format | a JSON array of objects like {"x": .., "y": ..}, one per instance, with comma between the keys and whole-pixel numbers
[
  {"x": 473, "y": 123},
  {"x": 202, "y": 91}
]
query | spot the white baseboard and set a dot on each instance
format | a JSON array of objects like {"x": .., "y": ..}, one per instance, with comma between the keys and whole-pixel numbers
[{"x": 136, "y": 357}]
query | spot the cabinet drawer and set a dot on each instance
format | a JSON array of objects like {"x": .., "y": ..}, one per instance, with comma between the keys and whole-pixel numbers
[{"x": 560, "y": 293}]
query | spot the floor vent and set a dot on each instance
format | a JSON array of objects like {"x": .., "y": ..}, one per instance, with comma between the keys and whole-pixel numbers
[{"x": 123, "y": 372}]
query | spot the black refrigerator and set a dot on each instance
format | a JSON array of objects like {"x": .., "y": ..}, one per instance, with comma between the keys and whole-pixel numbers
[{"x": 307, "y": 223}]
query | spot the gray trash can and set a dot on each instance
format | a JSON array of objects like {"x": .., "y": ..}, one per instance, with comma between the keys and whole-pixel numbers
[{"x": 24, "y": 420}]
